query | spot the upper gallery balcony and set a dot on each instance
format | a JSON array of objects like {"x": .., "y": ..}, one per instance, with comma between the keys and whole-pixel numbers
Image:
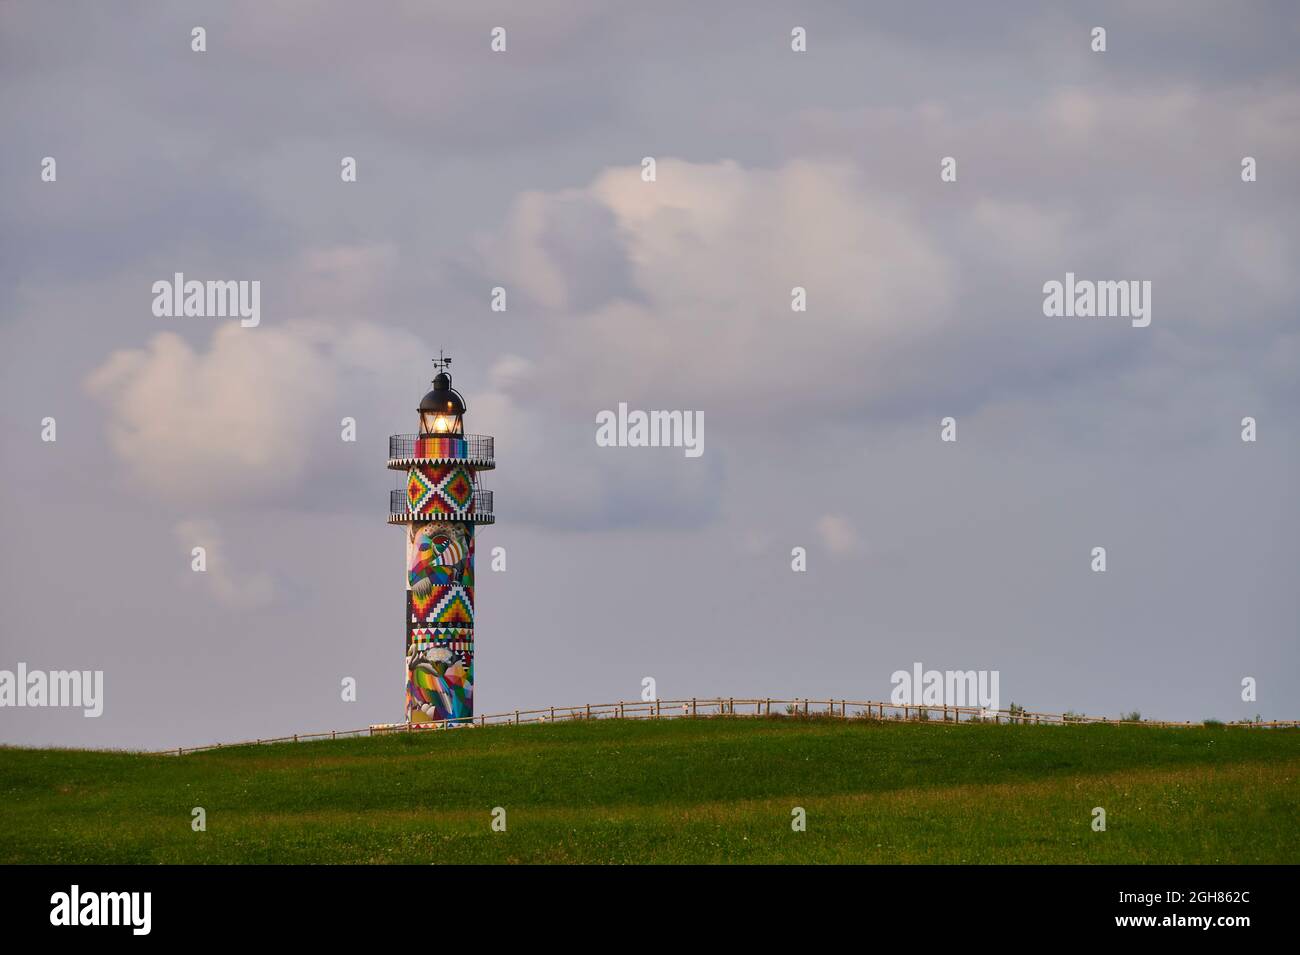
[{"x": 476, "y": 450}]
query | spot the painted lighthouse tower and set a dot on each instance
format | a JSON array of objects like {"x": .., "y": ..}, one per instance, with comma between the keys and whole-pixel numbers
[{"x": 439, "y": 503}]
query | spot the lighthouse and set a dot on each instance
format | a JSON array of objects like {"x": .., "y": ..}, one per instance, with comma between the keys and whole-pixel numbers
[{"x": 440, "y": 503}]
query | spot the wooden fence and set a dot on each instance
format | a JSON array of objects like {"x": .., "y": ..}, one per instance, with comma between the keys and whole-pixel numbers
[{"x": 732, "y": 707}]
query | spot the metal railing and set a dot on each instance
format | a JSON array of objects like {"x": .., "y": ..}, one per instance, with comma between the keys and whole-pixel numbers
[
  {"x": 398, "y": 502},
  {"x": 478, "y": 447},
  {"x": 867, "y": 710}
]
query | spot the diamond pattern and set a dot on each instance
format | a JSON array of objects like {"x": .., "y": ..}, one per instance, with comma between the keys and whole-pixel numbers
[
  {"x": 420, "y": 490},
  {"x": 435, "y": 488}
]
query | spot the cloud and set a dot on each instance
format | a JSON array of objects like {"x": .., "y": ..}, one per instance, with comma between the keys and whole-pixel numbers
[
  {"x": 243, "y": 419},
  {"x": 255, "y": 418},
  {"x": 709, "y": 255},
  {"x": 572, "y": 484},
  {"x": 239, "y": 591},
  {"x": 920, "y": 298}
]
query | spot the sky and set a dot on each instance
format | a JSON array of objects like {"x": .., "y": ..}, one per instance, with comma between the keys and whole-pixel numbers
[{"x": 774, "y": 169}]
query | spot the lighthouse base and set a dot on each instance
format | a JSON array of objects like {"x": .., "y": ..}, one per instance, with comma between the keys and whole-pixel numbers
[{"x": 440, "y": 681}]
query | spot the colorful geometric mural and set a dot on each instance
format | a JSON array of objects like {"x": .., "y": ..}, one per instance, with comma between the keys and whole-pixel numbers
[
  {"x": 453, "y": 606},
  {"x": 439, "y": 552},
  {"x": 439, "y": 506},
  {"x": 439, "y": 683},
  {"x": 446, "y": 605},
  {"x": 440, "y": 575},
  {"x": 419, "y": 490},
  {"x": 439, "y": 488},
  {"x": 458, "y": 638}
]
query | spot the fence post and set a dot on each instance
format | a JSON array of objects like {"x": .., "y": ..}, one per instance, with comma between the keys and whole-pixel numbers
[
  {"x": 692, "y": 706},
  {"x": 516, "y": 717},
  {"x": 334, "y": 734},
  {"x": 588, "y": 711}
]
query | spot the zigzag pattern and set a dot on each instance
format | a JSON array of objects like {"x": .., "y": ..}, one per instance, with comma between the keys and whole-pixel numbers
[
  {"x": 457, "y": 638},
  {"x": 445, "y": 605},
  {"x": 454, "y": 609}
]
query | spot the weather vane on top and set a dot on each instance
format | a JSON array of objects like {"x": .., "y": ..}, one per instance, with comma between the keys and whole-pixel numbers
[{"x": 442, "y": 363}]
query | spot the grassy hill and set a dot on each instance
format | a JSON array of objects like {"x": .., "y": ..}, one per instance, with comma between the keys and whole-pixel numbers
[{"x": 706, "y": 790}]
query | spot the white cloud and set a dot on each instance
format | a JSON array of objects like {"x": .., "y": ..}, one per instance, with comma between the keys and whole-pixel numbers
[
  {"x": 239, "y": 419},
  {"x": 712, "y": 252}
]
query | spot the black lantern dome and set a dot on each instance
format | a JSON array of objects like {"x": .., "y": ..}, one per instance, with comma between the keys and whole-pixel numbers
[
  {"x": 444, "y": 399},
  {"x": 441, "y": 409}
]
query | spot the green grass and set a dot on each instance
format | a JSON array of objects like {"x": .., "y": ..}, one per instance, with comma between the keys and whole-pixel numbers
[{"x": 708, "y": 790}]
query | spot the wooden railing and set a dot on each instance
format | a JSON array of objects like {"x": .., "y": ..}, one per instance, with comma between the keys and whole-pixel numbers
[{"x": 735, "y": 707}]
